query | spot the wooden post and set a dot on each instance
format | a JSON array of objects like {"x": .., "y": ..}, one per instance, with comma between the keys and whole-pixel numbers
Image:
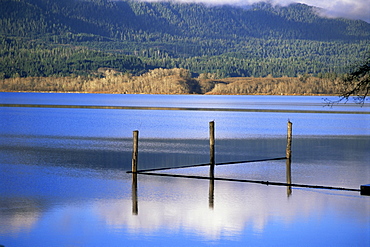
[
  {"x": 289, "y": 158},
  {"x": 212, "y": 164},
  {"x": 212, "y": 149},
  {"x": 135, "y": 151},
  {"x": 289, "y": 141}
]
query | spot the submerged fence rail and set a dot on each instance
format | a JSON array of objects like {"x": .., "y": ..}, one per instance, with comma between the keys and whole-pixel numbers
[
  {"x": 206, "y": 164},
  {"x": 249, "y": 181}
]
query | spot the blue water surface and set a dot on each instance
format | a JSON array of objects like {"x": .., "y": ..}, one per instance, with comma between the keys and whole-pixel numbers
[{"x": 63, "y": 179}]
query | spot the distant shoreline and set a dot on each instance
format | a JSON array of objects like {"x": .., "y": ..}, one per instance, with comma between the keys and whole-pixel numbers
[
  {"x": 177, "y": 81},
  {"x": 81, "y": 92}
]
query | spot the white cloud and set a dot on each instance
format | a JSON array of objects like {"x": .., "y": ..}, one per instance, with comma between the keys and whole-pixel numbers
[
  {"x": 355, "y": 9},
  {"x": 351, "y": 9}
]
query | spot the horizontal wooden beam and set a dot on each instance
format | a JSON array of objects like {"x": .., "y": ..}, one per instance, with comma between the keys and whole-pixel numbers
[{"x": 207, "y": 164}]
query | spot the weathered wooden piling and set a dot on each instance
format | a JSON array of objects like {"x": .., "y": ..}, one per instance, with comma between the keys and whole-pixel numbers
[
  {"x": 289, "y": 158},
  {"x": 212, "y": 148},
  {"x": 212, "y": 163},
  {"x": 289, "y": 141},
  {"x": 135, "y": 150}
]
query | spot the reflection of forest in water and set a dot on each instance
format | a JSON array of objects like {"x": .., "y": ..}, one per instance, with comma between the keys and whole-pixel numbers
[{"x": 115, "y": 153}]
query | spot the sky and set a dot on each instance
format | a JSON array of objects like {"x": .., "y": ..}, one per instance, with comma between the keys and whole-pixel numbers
[{"x": 351, "y": 9}]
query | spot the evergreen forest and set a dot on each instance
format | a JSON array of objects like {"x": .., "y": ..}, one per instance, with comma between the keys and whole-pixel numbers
[{"x": 51, "y": 38}]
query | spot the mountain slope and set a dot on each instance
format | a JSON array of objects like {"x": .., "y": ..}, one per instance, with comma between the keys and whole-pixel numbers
[
  {"x": 227, "y": 40},
  {"x": 111, "y": 19}
]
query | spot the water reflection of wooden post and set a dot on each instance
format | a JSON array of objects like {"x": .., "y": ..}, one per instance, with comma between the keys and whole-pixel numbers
[
  {"x": 135, "y": 207},
  {"x": 211, "y": 193},
  {"x": 289, "y": 158},
  {"x": 212, "y": 148},
  {"x": 135, "y": 152}
]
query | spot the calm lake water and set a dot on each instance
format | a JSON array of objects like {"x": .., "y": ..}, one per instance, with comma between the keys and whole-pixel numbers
[{"x": 64, "y": 160}]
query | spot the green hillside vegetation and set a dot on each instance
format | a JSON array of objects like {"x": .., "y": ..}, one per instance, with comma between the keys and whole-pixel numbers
[
  {"x": 43, "y": 38},
  {"x": 24, "y": 59}
]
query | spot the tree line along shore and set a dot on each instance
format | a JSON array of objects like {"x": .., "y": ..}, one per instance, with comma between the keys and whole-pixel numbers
[{"x": 176, "y": 81}]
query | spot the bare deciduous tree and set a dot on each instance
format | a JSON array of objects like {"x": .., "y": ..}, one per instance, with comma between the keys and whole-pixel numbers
[{"x": 356, "y": 84}]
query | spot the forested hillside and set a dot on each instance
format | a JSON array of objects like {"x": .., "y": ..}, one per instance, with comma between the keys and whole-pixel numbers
[{"x": 60, "y": 38}]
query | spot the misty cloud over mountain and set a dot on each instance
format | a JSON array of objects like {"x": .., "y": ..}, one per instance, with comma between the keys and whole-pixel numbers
[{"x": 351, "y": 9}]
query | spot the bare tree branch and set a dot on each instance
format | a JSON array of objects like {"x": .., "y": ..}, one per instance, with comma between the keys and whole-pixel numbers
[{"x": 355, "y": 84}]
